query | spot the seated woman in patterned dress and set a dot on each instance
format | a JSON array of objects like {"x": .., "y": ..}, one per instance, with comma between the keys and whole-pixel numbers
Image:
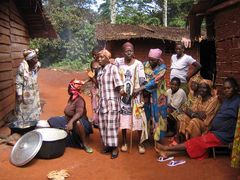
[
  {"x": 197, "y": 119},
  {"x": 75, "y": 120},
  {"x": 220, "y": 132}
]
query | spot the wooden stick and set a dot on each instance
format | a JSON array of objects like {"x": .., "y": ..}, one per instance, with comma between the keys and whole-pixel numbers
[{"x": 132, "y": 104}]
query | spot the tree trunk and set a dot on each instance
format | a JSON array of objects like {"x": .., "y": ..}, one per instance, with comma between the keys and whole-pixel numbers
[
  {"x": 165, "y": 13},
  {"x": 113, "y": 12}
]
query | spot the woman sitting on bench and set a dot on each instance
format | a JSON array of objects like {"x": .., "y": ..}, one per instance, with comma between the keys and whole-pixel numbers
[{"x": 221, "y": 131}]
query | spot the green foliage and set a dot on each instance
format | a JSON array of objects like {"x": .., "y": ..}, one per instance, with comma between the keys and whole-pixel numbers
[
  {"x": 74, "y": 23},
  {"x": 70, "y": 65}
]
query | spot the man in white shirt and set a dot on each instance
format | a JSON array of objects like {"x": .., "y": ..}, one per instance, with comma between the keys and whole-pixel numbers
[
  {"x": 175, "y": 98},
  {"x": 175, "y": 95},
  {"x": 180, "y": 63}
]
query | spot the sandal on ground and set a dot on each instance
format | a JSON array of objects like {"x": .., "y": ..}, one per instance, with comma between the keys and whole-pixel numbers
[
  {"x": 114, "y": 154},
  {"x": 124, "y": 148},
  {"x": 88, "y": 149},
  {"x": 176, "y": 163},
  {"x": 141, "y": 149},
  {"x": 163, "y": 159}
]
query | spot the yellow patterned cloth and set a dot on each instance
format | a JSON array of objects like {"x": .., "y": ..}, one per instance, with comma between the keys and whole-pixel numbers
[{"x": 235, "y": 160}]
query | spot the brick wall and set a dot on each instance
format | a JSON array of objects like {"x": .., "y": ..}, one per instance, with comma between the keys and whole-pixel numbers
[{"x": 227, "y": 38}]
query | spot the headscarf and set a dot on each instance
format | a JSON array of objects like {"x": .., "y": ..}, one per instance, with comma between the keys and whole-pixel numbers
[
  {"x": 30, "y": 54},
  {"x": 105, "y": 53},
  {"x": 210, "y": 83},
  {"x": 127, "y": 44},
  {"x": 197, "y": 78},
  {"x": 155, "y": 53},
  {"x": 75, "y": 88}
]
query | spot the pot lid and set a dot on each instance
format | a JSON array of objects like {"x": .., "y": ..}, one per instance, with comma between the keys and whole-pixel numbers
[{"x": 26, "y": 148}]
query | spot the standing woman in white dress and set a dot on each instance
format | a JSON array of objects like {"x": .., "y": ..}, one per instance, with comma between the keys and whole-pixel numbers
[
  {"x": 132, "y": 74},
  {"x": 28, "y": 106}
]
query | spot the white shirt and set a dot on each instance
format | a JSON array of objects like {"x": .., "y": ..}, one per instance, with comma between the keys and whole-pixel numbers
[
  {"x": 176, "y": 99},
  {"x": 179, "y": 67}
]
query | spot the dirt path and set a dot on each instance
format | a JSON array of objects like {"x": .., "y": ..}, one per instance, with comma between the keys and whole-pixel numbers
[{"x": 81, "y": 165}]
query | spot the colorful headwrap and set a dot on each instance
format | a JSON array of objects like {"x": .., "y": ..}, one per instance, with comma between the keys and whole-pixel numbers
[
  {"x": 155, "y": 53},
  {"x": 127, "y": 44},
  {"x": 30, "y": 54},
  {"x": 105, "y": 53},
  {"x": 75, "y": 88},
  {"x": 197, "y": 78},
  {"x": 208, "y": 82}
]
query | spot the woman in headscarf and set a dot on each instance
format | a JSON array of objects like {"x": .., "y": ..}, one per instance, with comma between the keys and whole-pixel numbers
[
  {"x": 197, "y": 118},
  {"x": 75, "y": 119},
  {"x": 221, "y": 130},
  {"x": 132, "y": 74},
  {"x": 28, "y": 106},
  {"x": 155, "y": 70},
  {"x": 110, "y": 88}
]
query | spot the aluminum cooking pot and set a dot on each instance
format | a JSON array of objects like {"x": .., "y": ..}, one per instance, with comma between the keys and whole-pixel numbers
[
  {"x": 53, "y": 143},
  {"x": 22, "y": 127}
]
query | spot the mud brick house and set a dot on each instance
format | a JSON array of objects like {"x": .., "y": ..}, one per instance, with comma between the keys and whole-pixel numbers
[
  {"x": 19, "y": 21},
  {"x": 220, "y": 51},
  {"x": 143, "y": 38}
]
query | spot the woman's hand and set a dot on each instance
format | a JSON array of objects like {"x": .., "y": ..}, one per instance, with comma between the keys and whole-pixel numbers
[
  {"x": 201, "y": 115},
  {"x": 69, "y": 126}
]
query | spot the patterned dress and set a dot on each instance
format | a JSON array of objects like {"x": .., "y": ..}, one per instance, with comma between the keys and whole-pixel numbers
[
  {"x": 27, "y": 87},
  {"x": 133, "y": 77},
  {"x": 109, "y": 98},
  {"x": 235, "y": 162},
  {"x": 156, "y": 86}
]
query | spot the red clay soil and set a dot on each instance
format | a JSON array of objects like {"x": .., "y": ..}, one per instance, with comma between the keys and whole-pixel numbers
[{"x": 53, "y": 85}]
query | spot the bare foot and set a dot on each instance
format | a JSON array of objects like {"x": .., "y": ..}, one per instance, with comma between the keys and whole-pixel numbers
[{"x": 161, "y": 147}]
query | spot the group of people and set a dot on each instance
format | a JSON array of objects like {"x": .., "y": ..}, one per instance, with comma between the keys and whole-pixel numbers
[{"x": 130, "y": 95}]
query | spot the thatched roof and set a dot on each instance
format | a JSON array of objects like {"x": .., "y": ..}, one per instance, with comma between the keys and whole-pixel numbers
[
  {"x": 37, "y": 21},
  {"x": 109, "y": 32}
]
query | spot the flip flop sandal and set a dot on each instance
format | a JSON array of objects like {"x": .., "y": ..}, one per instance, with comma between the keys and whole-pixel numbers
[
  {"x": 163, "y": 159},
  {"x": 88, "y": 149},
  {"x": 176, "y": 163}
]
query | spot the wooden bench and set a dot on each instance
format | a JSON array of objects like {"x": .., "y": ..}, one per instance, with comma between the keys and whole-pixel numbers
[{"x": 229, "y": 146}]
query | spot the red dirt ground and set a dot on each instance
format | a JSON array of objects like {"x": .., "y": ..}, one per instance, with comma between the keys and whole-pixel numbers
[{"x": 81, "y": 165}]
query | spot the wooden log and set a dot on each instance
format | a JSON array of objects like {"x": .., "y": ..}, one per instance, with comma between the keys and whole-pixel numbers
[
  {"x": 6, "y": 92},
  {"x": 5, "y": 66},
  {"x": 19, "y": 32},
  {"x": 4, "y": 8},
  {"x": 19, "y": 39},
  {"x": 6, "y": 75},
  {"x": 4, "y": 16},
  {"x": 4, "y": 23},
  {"x": 6, "y": 84},
  {"x": 17, "y": 55},
  {"x": 5, "y": 48},
  {"x": 17, "y": 19},
  {"x": 6, "y": 102},
  {"x": 4, "y": 112},
  {"x": 4, "y": 39},
  {"x": 15, "y": 47},
  {"x": 5, "y": 57},
  {"x": 4, "y": 31},
  {"x": 16, "y": 25},
  {"x": 16, "y": 63}
]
